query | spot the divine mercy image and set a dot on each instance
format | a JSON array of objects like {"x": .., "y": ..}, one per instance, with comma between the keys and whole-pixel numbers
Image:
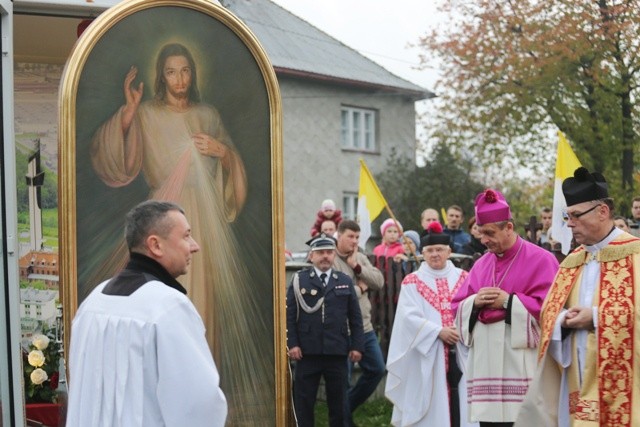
[
  {"x": 186, "y": 156},
  {"x": 166, "y": 120}
]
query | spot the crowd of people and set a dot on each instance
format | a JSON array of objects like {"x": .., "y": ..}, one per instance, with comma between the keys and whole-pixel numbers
[
  {"x": 401, "y": 245},
  {"x": 519, "y": 339}
]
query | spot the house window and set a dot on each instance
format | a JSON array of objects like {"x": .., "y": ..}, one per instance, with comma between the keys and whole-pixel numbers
[
  {"x": 358, "y": 129},
  {"x": 350, "y": 206}
]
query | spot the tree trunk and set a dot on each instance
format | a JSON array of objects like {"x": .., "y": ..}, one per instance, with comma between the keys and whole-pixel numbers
[{"x": 628, "y": 144}]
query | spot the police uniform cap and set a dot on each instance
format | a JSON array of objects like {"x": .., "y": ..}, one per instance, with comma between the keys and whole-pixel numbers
[{"x": 322, "y": 242}]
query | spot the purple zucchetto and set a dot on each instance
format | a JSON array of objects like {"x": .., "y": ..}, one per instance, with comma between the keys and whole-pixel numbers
[{"x": 491, "y": 206}]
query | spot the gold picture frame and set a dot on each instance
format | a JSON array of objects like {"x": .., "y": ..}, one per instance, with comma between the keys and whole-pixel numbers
[{"x": 245, "y": 275}]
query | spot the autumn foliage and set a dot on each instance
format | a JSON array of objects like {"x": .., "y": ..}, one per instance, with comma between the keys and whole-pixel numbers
[{"x": 514, "y": 71}]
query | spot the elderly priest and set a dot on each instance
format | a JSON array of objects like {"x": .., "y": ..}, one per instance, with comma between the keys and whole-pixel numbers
[{"x": 426, "y": 360}]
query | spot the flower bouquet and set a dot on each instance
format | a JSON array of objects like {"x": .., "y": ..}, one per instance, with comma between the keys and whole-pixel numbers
[{"x": 41, "y": 365}]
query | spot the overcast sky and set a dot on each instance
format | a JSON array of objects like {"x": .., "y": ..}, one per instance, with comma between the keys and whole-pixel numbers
[
  {"x": 382, "y": 31},
  {"x": 378, "y": 29}
]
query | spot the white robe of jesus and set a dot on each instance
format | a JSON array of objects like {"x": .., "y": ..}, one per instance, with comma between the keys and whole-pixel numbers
[{"x": 159, "y": 144}]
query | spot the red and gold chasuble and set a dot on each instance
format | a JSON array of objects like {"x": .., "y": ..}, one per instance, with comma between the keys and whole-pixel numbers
[{"x": 610, "y": 390}]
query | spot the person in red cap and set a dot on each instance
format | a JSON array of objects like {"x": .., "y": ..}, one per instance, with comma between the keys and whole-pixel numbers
[
  {"x": 426, "y": 358},
  {"x": 589, "y": 371},
  {"x": 498, "y": 309}
]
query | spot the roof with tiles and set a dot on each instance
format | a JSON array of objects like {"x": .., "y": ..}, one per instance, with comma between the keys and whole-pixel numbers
[
  {"x": 39, "y": 258},
  {"x": 30, "y": 295},
  {"x": 299, "y": 49}
]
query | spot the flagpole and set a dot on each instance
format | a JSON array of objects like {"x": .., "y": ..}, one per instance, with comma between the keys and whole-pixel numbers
[
  {"x": 566, "y": 164},
  {"x": 373, "y": 186}
]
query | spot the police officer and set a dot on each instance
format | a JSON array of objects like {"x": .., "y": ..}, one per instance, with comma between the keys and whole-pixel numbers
[{"x": 322, "y": 309}]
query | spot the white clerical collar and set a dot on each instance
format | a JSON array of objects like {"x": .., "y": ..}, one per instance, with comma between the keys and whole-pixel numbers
[
  {"x": 438, "y": 273},
  {"x": 615, "y": 232}
]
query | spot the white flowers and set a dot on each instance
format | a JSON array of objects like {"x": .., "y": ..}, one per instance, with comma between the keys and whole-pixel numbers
[
  {"x": 40, "y": 341},
  {"x": 38, "y": 376},
  {"x": 36, "y": 358},
  {"x": 40, "y": 365}
]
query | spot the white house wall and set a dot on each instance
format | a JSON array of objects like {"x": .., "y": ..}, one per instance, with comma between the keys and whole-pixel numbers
[{"x": 315, "y": 165}]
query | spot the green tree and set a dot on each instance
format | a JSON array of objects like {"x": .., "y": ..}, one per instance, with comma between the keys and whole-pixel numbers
[
  {"x": 515, "y": 69},
  {"x": 526, "y": 199},
  {"x": 443, "y": 181}
]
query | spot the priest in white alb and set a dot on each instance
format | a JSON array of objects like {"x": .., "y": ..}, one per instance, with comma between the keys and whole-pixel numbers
[
  {"x": 138, "y": 354},
  {"x": 426, "y": 361}
]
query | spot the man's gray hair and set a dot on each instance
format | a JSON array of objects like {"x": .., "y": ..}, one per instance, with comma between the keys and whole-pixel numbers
[{"x": 148, "y": 218}]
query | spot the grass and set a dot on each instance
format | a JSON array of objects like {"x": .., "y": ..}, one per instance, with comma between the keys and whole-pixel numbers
[{"x": 373, "y": 413}]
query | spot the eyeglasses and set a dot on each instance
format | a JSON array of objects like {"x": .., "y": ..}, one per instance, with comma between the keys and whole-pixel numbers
[{"x": 566, "y": 216}]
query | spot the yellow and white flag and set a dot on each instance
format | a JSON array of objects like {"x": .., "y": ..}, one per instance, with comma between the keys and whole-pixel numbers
[
  {"x": 370, "y": 203},
  {"x": 566, "y": 164}
]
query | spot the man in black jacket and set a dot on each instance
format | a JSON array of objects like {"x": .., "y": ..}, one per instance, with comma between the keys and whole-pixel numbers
[{"x": 322, "y": 309}]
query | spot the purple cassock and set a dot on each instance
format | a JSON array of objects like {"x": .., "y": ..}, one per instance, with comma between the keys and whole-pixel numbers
[
  {"x": 503, "y": 341},
  {"x": 525, "y": 270}
]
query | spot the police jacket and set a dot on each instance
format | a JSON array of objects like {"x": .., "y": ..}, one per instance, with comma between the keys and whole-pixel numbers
[{"x": 325, "y": 331}]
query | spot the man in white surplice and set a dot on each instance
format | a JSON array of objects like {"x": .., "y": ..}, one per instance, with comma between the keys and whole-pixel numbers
[
  {"x": 426, "y": 361},
  {"x": 138, "y": 355}
]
